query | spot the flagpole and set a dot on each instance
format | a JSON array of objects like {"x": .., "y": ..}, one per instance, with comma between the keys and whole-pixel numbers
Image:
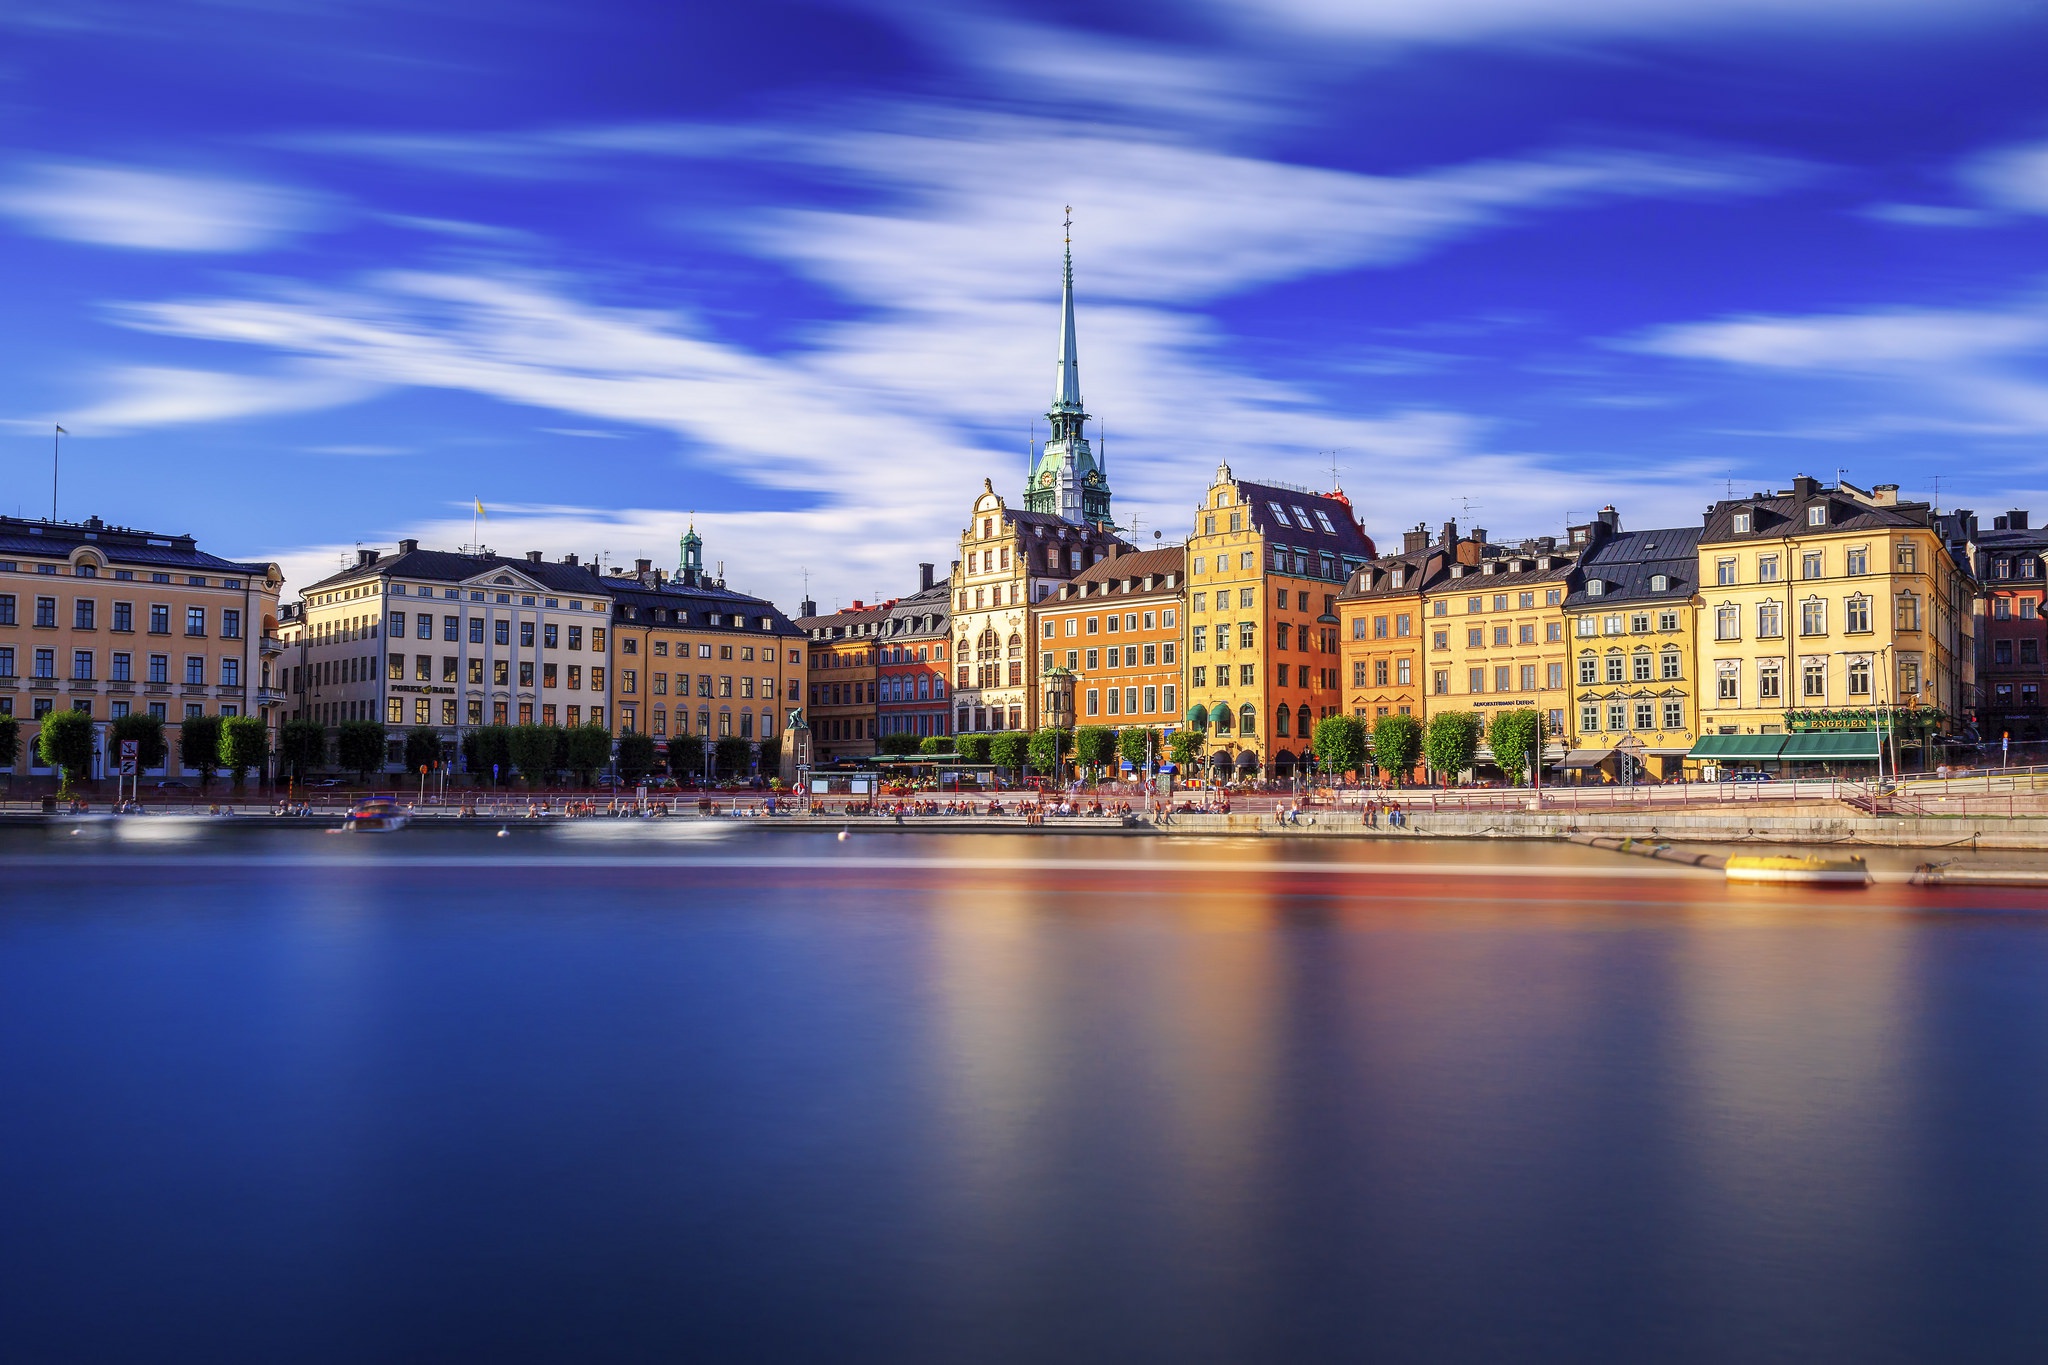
[{"x": 55, "y": 438}]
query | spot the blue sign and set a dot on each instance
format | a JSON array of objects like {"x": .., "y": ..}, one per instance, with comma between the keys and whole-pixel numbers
[{"x": 1168, "y": 768}]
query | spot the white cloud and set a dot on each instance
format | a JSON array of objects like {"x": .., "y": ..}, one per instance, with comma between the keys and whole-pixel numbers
[
  {"x": 145, "y": 396},
  {"x": 1476, "y": 20},
  {"x": 2013, "y": 178},
  {"x": 1927, "y": 215},
  {"x": 153, "y": 210}
]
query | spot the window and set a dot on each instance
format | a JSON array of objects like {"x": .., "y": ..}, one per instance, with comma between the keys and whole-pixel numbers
[
  {"x": 551, "y": 636},
  {"x": 1727, "y": 623},
  {"x": 1674, "y": 714},
  {"x": 7, "y": 609},
  {"x": 1724, "y": 572},
  {"x": 46, "y": 612},
  {"x": 81, "y": 665},
  {"x": 1440, "y": 682},
  {"x": 526, "y": 635},
  {"x": 1528, "y": 677},
  {"x": 1588, "y": 626},
  {"x": 1667, "y": 620},
  {"x": 1673, "y": 667},
  {"x": 1859, "y": 677},
  {"x": 82, "y": 613},
  {"x": 1741, "y": 523},
  {"x": 1727, "y": 680},
  {"x": 46, "y": 663},
  {"x": 1909, "y": 611},
  {"x": 1404, "y": 672},
  {"x": 476, "y": 630},
  {"x": 1614, "y": 669},
  {"x": 159, "y": 668},
  {"x": 1475, "y": 680},
  {"x": 159, "y": 619},
  {"x": 1857, "y": 562},
  {"x": 1610, "y": 625},
  {"x": 1770, "y": 620},
  {"x": 1589, "y": 670},
  {"x": 1659, "y": 583},
  {"x": 1813, "y": 617},
  {"x": 230, "y": 672},
  {"x": 1810, "y": 565},
  {"x": 1769, "y": 675},
  {"x": 1500, "y": 636},
  {"x": 120, "y": 671},
  {"x": 1813, "y": 678},
  {"x": 1856, "y": 615},
  {"x": 195, "y": 671},
  {"x": 1617, "y": 716},
  {"x": 1908, "y": 559},
  {"x": 1526, "y": 635},
  {"x": 1817, "y": 515},
  {"x": 1639, "y": 666},
  {"x": 1766, "y": 568}
]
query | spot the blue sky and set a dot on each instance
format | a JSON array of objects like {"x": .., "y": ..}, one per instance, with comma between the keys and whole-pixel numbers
[{"x": 303, "y": 274}]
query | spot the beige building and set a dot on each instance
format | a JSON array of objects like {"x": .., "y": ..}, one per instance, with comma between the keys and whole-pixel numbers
[
  {"x": 110, "y": 620},
  {"x": 1823, "y": 605},
  {"x": 1634, "y": 676},
  {"x": 1009, "y": 561},
  {"x": 447, "y": 641}
]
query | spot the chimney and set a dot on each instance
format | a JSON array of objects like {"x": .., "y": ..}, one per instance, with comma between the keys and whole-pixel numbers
[
  {"x": 365, "y": 558},
  {"x": 533, "y": 556},
  {"x": 569, "y": 560},
  {"x": 924, "y": 577},
  {"x": 1479, "y": 534},
  {"x": 1417, "y": 539},
  {"x": 1610, "y": 518},
  {"x": 641, "y": 566},
  {"x": 2003, "y": 523},
  {"x": 406, "y": 547},
  {"x": 1885, "y": 495},
  {"x": 2016, "y": 519},
  {"x": 1805, "y": 486},
  {"x": 807, "y": 608}
]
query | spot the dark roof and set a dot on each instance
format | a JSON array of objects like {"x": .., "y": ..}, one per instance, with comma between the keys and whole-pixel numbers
[
  {"x": 445, "y": 566},
  {"x": 1773, "y": 516},
  {"x": 1511, "y": 568},
  {"x": 1346, "y": 538},
  {"x": 838, "y": 624},
  {"x": 1624, "y": 564},
  {"x": 1420, "y": 570},
  {"x": 691, "y": 607},
  {"x": 119, "y": 545},
  {"x": 933, "y": 605},
  {"x": 1114, "y": 570}
]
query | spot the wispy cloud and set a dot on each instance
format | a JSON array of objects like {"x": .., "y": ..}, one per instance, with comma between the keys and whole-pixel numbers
[
  {"x": 2014, "y": 178},
  {"x": 1928, "y": 215},
  {"x": 1475, "y": 20},
  {"x": 142, "y": 397},
  {"x": 149, "y": 210}
]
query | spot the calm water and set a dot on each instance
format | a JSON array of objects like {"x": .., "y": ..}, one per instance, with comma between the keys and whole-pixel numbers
[{"x": 909, "y": 1098}]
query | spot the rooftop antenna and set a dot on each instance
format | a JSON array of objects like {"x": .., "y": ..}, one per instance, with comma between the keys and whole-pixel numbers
[
  {"x": 1937, "y": 493},
  {"x": 1335, "y": 468},
  {"x": 1731, "y": 483}
]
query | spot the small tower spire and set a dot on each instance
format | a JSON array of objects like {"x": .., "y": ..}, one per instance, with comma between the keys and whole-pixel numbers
[
  {"x": 1066, "y": 480},
  {"x": 692, "y": 567}
]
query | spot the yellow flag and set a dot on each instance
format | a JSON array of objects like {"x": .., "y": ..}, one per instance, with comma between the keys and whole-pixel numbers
[{"x": 480, "y": 510}]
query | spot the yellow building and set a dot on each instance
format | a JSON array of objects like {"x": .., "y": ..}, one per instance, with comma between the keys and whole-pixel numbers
[
  {"x": 1265, "y": 565},
  {"x": 1496, "y": 630},
  {"x": 1823, "y": 604},
  {"x": 109, "y": 620},
  {"x": 1635, "y": 679}
]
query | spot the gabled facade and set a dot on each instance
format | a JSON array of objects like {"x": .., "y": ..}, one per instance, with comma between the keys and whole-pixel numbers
[
  {"x": 2009, "y": 560},
  {"x": 912, "y": 674},
  {"x": 1265, "y": 565},
  {"x": 1496, "y": 629},
  {"x": 1382, "y": 628},
  {"x": 1113, "y": 636}
]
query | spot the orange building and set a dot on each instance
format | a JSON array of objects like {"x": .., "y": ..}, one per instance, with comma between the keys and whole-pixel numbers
[
  {"x": 842, "y": 700},
  {"x": 1115, "y": 629}
]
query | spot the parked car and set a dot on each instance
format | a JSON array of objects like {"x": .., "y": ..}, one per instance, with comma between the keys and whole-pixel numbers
[
  {"x": 173, "y": 786},
  {"x": 328, "y": 782},
  {"x": 1751, "y": 775}
]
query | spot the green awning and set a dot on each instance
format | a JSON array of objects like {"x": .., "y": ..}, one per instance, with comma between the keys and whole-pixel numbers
[
  {"x": 1198, "y": 716},
  {"x": 1219, "y": 715},
  {"x": 1727, "y": 748},
  {"x": 1832, "y": 746}
]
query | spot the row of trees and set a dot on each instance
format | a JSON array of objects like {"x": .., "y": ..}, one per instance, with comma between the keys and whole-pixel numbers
[
  {"x": 541, "y": 755},
  {"x": 209, "y": 745},
  {"x": 1343, "y": 745}
]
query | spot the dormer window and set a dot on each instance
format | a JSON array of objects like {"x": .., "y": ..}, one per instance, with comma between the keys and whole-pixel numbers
[
  {"x": 1817, "y": 515},
  {"x": 1279, "y": 514},
  {"x": 1659, "y": 583},
  {"x": 1742, "y": 523},
  {"x": 1457, "y": 570},
  {"x": 1487, "y": 568},
  {"x": 1595, "y": 588},
  {"x": 1398, "y": 577}
]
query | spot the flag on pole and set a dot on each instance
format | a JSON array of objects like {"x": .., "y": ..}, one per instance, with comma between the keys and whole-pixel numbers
[
  {"x": 62, "y": 432},
  {"x": 480, "y": 510}
]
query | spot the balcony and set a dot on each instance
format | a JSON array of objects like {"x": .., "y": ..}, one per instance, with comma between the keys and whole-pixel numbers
[
  {"x": 270, "y": 696},
  {"x": 270, "y": 646}
]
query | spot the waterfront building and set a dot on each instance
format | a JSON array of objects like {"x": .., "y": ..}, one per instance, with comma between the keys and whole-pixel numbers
[
  {"x": 1824, "y": 606},
  {"x": 447, "y": 640},
  {"x": 1496, "y": 628},
  {"x": 1009, "y": 561},
  {"x": 842, "y": 675},
  {"x": 692, "y": 656},
  {"x": 1381, "y": 626},
  {"x": 1635, "y": 680},
  {"x": 1265, "y": 564},
  {"x": 1113, "y": 635},
  {"x": 2010, "y": 563},
  {"x": 111, "y": 620},
  {"x": 912, "y": 672}
]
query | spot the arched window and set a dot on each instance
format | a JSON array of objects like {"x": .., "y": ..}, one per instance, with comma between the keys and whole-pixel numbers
[
  {"x": 1016, "y": 646},
  {"x": 1304, "y": 723},
  {"x": 988, "y": 647},
  {"x": 1247, "y": 720},
  {"x": 1281, "y": 722},
  {"x": 1222, "y": 718}
]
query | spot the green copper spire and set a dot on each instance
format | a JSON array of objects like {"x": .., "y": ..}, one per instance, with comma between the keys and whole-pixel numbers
[{"x": 1066, "y": 480}]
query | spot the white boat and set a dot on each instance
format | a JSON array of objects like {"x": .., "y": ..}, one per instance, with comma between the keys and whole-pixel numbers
[
  {"x": 376, "y": 817},
  {"x": 1807, "y": 869}
]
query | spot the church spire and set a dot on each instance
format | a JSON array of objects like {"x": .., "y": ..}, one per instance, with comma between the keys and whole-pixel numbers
[
  {"x": 1065, "y": 479},
  {"x": 1066, "y": 392}
]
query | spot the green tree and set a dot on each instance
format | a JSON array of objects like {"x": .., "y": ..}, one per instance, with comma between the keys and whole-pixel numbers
[
  {"x": 1008, "y": 749},
  {"x": 771, "y": 755},
  {"x": 1047, "y": 747},
  {"x": 359, "y": 747},
  {"x": 487, "y": 748},
  {"x": 935, "y": 744},
  {"x": 636, "y": 757},
  {"x": 973, "y": 748},
  {"x": 10, "y": 741},
  {"x": 199, "y": 747},
  {"x": 1396, "y": 744},
  {"x": 1094, "y": 745},
  {"x": 733, "y": 755},
  {"x": 244, "y": 744},
  {"x": 533, "y": 753},
  {"x": 1514, "y": 736},
  {"x": 686, "y": 755},
  {"x": 590, "y": 752},
  {"x": 1186, "y": 748},
  {"x": 1450, "y": 743},
  {"x": 302, "y": 745},
  {"x": 422, "y": 748},
  {"x": 1133, "y": 744},
  {"x": 1340, "y": 744},
  {"x": 65, "y": 742},
  {"x": 897, "y": 744},
  {"x": 148, "y": 733}
]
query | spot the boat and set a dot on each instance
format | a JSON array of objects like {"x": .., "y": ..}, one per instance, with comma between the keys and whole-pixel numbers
[
  {"x": 376, "y": 817},
  {"x": 1808, "y": 869}
]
